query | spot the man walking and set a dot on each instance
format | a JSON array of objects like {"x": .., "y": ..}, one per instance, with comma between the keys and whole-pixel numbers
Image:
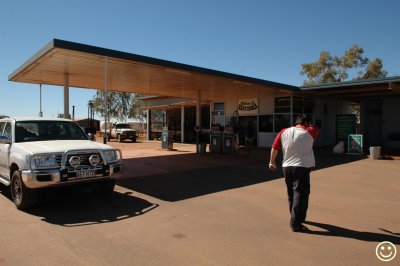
[{"x": 298, "y": 158}]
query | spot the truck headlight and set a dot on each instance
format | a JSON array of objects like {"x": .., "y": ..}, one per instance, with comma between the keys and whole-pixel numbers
[
  {"x": 110, "y": 156},
  {"x": 43, "y": 161}
]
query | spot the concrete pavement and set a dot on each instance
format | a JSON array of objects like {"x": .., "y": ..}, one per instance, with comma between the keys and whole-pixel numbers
[{"x": 180, "y": 208}]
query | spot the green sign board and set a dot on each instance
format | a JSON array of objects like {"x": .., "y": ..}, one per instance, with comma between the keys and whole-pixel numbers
[{"x": 345, "y": 125}]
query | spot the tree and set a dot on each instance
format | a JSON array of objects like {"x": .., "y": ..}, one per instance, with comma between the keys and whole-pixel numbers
[
  {"x": 331, "y": 69},
  {"x": 136, "y": 110},
  {"x": 118, "y": 105},
  {"x": 374, "y": 70}
]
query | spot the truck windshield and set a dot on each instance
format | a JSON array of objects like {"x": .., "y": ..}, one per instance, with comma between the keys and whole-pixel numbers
[
  {"x": 122, "y": 126},
  {"x": 47, "y": 130}
]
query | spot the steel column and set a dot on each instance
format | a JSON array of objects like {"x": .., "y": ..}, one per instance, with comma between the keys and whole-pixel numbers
[
  {"x": 66, "y": 96},
  {"x": 182, "y": 124},
  {"x": 105, "y": 99}
]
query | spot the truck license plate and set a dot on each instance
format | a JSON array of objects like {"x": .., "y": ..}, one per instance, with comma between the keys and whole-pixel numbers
[{"x": 85, "y": 174}]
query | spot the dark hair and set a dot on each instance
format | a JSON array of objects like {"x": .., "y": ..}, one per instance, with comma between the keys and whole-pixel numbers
[{"x": 302, "y": 119}]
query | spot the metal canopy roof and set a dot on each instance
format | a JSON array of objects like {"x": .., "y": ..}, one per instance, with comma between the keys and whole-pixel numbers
[
  {"x": 86, "y": 68},
  {"x": 357, "y": 88}
]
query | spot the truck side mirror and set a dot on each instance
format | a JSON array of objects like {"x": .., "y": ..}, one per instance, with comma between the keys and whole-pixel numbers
[{"x": 91, "y": 137}]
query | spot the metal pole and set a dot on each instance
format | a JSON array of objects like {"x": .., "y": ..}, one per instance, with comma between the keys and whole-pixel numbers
[
  {"x": 40, "y": 111},
  {"x": 88, "y": 119},
  {"x": 182, "y": 123},
  {"x": 105, "y": 97},
  {"x": 198, "y": 120},
  {"x": 66, "y": 96},
  {"x": 148, "y": 125}
]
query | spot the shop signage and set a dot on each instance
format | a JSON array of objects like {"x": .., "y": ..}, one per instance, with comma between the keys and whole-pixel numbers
[
  {"x": 355, "y": 144},
  {"x": 248, "y": 106},
  {"x": 345, "y": 125}
]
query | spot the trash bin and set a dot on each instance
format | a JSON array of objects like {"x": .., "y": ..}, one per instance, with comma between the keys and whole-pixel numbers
[
  {"x": 375, "y": 152},
  {"x": 167, "y": 139}
]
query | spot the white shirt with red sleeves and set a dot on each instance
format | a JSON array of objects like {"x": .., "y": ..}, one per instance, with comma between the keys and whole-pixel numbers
[{"x": 297, "y": 144}]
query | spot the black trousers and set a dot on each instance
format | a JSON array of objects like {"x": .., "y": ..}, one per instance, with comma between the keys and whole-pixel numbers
[{"x": 298, "y": 190}]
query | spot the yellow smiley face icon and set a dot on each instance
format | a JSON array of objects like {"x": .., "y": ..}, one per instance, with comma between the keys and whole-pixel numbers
[{"x": 386, "y": 251}]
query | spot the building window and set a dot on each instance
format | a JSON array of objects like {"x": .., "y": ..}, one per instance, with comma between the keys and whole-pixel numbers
[
  {"x": 288, "y": 108},
  {"x": 282, "y": 104},
  {"x": 282, "y": 121},
  {"x": 218, "y": 114},
  {"x": 266, "y": 123}
]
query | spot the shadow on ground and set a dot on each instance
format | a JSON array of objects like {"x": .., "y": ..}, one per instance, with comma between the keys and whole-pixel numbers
[
  {"x": 178, "y": 177},
  {"x": 332, "y": 230},
  {"x": 324, "y": 158},
  {"x": 180, "y": 185},
  {"x": 185, "y": 176},
  {"x": 79, "y": 206}
]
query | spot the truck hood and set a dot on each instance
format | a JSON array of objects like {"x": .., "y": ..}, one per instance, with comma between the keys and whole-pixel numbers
[
  {"x": 60, "y": 146},
  {"x": 126, "y": 129}
]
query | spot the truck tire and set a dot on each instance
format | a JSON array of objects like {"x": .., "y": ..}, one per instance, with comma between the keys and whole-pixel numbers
[
  {"x": 103, "y": 188},
  {"x": 22, "y": 196},
  {"x": 133, "y": 139}
]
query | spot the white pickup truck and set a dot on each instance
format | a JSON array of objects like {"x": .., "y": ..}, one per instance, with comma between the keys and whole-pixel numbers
[
  {"x": 38, "y": 152},
  {"x": 122, "y": 131}
]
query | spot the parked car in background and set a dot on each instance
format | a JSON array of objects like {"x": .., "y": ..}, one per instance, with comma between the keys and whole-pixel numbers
[
  {"x": 122, "y": 131},
  {"x": 38, "y": 152}
]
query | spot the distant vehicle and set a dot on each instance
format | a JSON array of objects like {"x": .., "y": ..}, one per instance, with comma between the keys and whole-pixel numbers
[
  {"x": 39, "y": 152},
  {"x": 122, "y": 131}
]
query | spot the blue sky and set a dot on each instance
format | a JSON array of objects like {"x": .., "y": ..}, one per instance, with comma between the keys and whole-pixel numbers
[{"x": 263, "y": 39}]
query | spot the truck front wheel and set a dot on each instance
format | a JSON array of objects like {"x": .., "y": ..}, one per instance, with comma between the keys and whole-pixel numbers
[{"x": 22, "y": 196}]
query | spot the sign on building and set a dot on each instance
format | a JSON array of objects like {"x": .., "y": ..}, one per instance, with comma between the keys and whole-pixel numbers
[
  {"x": 345, "y": 125},
  {"x": 355, "y": 144},
  {"x": 248, "y": 106}
]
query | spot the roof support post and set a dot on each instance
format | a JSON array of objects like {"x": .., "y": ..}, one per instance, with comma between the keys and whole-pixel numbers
[
  {"x": 66, "y": 96},
  {"x": 148, "y": 124},
  {"x": 105, "y": 99},
  {"x": 182, "y": 123},
  {"x": 198, "y": 120},
  {"x": 40, "y": 112}
]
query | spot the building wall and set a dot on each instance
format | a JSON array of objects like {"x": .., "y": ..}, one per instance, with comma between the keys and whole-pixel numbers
[
  {"x": 266, "y": 105},
  {"x": 391, "y": 122},
  {"x": 325, "y": 114},
  {"x": 327, "y": 109},
  {"x": 230, "y": 107}
]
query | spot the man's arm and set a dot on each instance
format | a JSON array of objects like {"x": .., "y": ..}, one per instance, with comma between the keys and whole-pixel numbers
[
  {"x": 276, "y": 146},
  {"x": 313, "y": 130},
  {"x": 272, "y": 164}
]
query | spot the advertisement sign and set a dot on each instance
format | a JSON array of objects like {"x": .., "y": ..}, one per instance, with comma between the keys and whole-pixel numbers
[
  {"x": 345, "y": 125},
  {"x": 355, "y": 144},
  {"x": 248, "y": 106}
]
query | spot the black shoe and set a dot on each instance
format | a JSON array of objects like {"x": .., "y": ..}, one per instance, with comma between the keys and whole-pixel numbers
[{"x": 301, "y": 229}]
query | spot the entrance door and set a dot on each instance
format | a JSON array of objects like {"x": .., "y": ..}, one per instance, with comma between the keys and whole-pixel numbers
[
  {"x": 374, "y": 122},
  {"x": 244, "y": 122}
]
